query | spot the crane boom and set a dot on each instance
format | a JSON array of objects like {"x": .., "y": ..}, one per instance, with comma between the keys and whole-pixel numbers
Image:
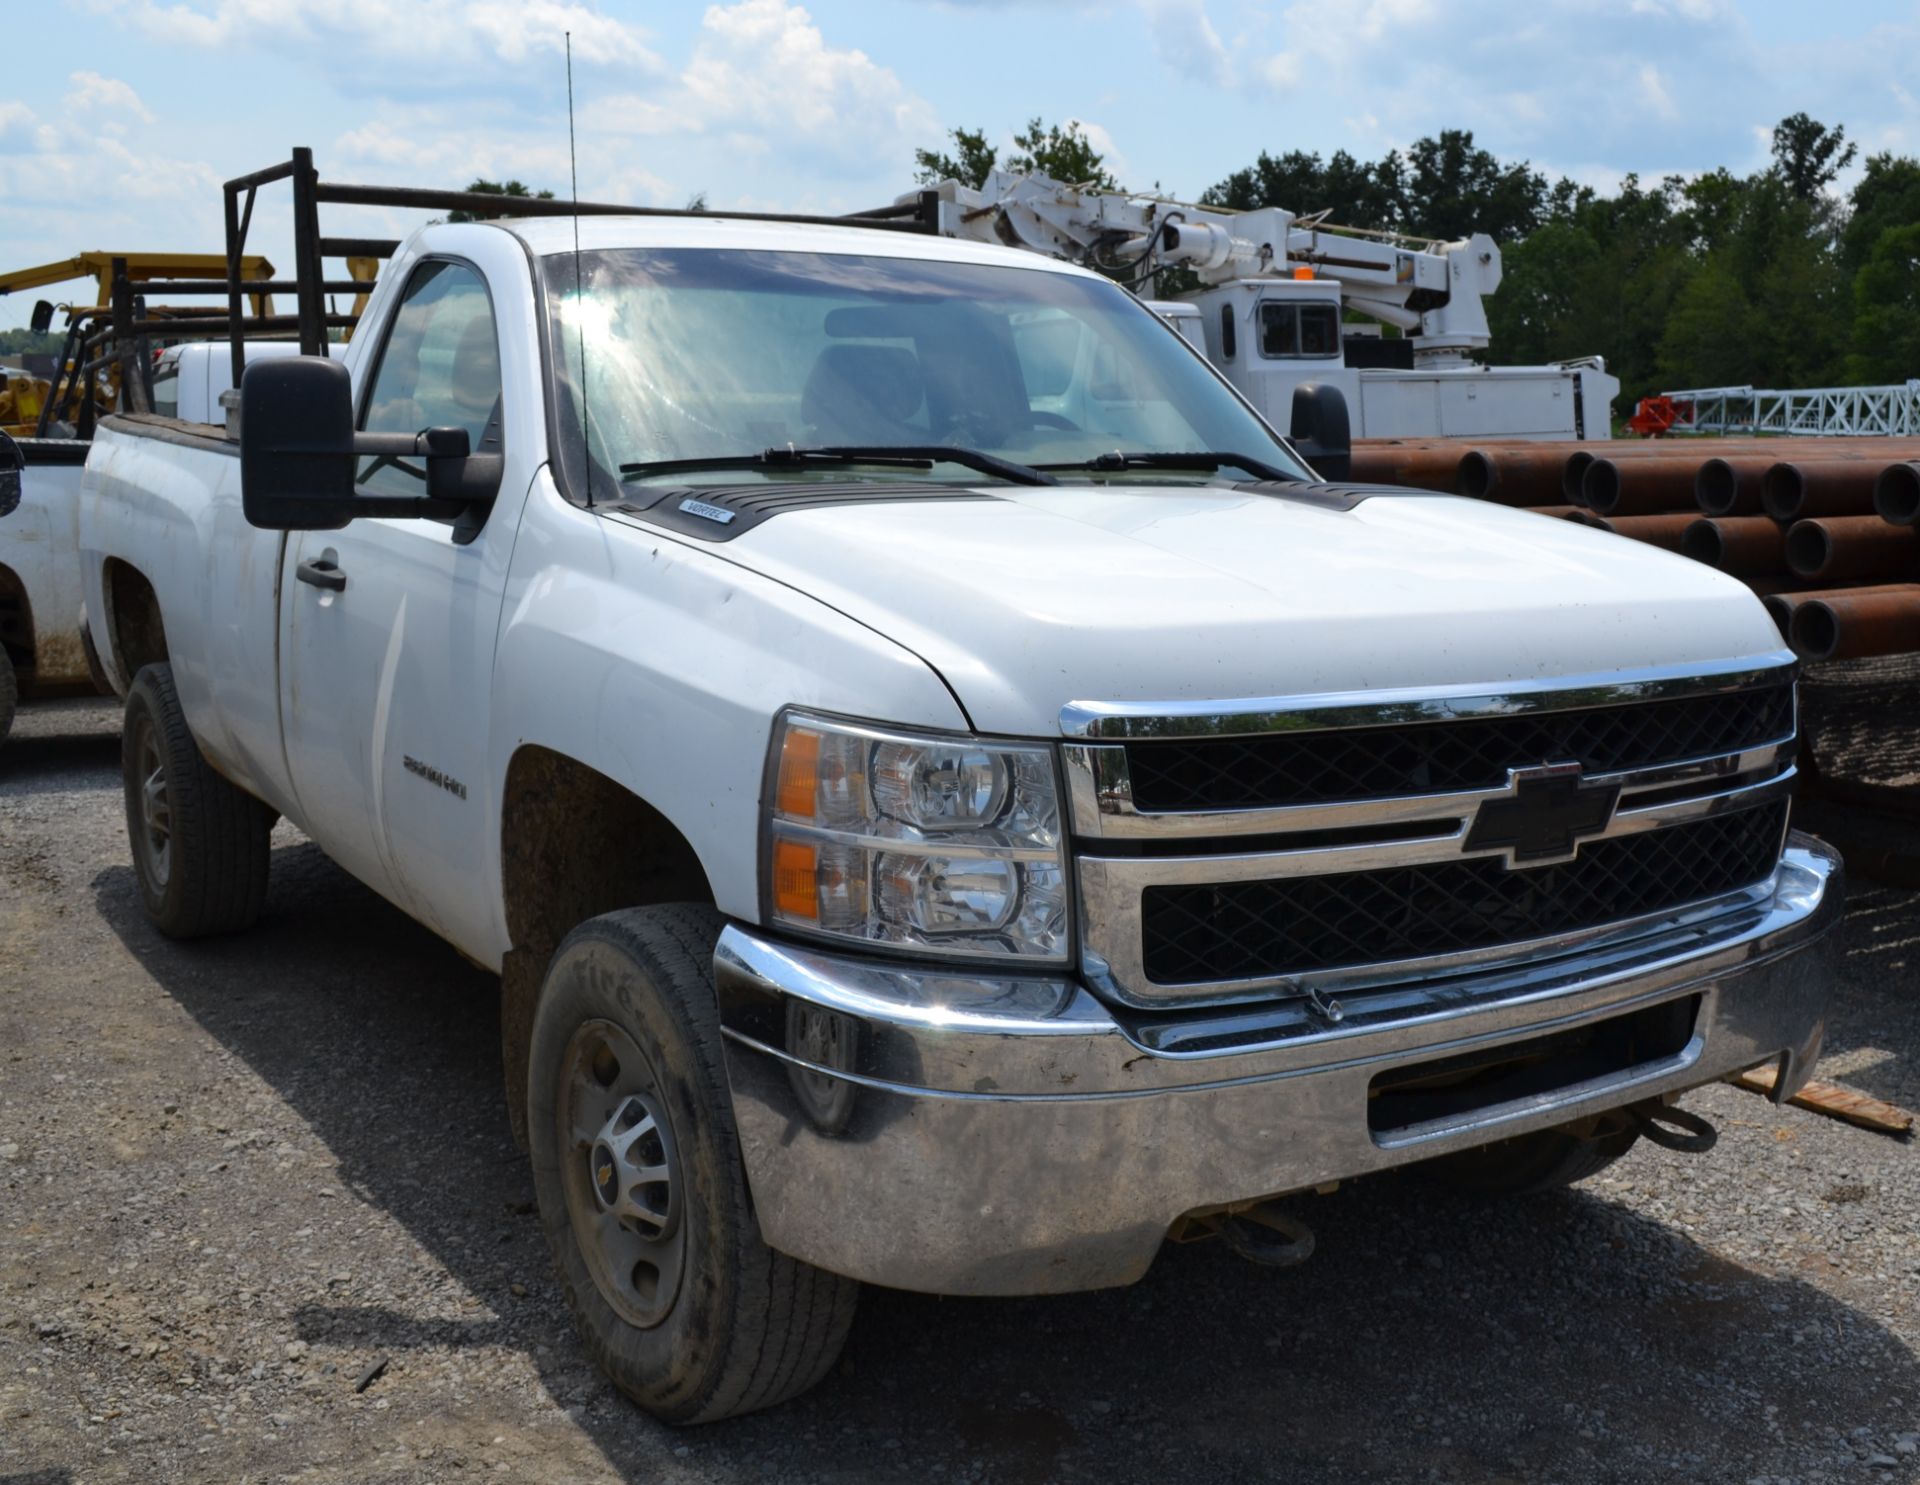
[{"x": 1435, "y": 291}]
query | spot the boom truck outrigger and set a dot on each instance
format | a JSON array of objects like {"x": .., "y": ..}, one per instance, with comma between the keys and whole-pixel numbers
[{"x": 1275, "y": 292}]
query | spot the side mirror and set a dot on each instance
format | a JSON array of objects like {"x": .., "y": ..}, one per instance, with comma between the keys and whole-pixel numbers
[
  {"x": 296, "y": 444},
  {"x": 42, "y": 320},
  {"x": 1320, "y": 430},
  {"x": 12, "y": 474},
  {"x": 299, "y": 454}
]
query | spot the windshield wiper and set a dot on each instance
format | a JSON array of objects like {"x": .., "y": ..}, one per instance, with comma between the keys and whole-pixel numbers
[
  {"x": 1118, "y": 462},
  {"x": 883, "y": 456}
]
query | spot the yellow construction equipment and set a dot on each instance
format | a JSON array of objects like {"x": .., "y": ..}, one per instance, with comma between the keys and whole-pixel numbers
[
  {"x": 22, "y": 396},
  {"x": 140, "y": 268}
]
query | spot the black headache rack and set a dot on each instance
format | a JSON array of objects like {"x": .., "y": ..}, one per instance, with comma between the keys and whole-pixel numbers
[
  {"x": 116, "y": 339},
  {"x": 310, "y": 286}
]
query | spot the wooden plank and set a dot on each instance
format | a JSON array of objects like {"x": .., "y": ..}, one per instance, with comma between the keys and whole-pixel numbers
[{"x": 1833, "y": 1101}]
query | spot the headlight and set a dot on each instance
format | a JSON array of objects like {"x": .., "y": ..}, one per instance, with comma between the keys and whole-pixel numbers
[{"x": 947, "y": 844}]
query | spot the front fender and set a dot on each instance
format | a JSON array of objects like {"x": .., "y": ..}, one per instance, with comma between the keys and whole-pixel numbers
[{"x": 662, "y": 664}]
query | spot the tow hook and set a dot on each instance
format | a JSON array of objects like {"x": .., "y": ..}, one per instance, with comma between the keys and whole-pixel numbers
[
  {"x": 1673, "y": 1128},
  {"x": 1265, "y": 1236}
]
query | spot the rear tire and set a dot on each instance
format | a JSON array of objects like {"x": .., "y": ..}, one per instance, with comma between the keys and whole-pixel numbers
[
  {"x": 200, "y": 845},
  {"x": 9, "y": 695},
  {"x": 642, "y": 1193},
  {"x": 1546, "y": 1160}
]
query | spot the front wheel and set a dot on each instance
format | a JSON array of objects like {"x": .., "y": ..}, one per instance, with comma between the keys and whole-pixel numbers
[{"x": 642, "y": 1194}]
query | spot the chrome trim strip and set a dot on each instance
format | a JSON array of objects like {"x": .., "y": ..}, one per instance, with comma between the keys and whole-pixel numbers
[
  {"x": 1100, "y": 793},
  {"x": 924, "y": 846},
  {"x": 1315, "y": 861},
  {"x": 1341, "y": 709}
]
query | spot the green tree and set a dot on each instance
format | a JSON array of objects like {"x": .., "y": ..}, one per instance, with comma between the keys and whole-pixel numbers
[
  {"x": 27, "y": 343},
  {"x": 497, "y": 188},
  {"x": 1354, "y": 192},
  {"x": 1710, "y": 333},
  {"x": 1888, "y": 195},
  {"x": 972, "y": 158},
  {"x": 1454, "y": 189},
  {"x": 1807, "y": 155},
  {"x": 1886, "y": 309},
  {"x": 1062, "y": 151}
]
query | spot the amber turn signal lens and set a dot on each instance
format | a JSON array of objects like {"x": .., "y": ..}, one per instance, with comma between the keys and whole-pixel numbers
[
  {"x": 799, "y": 774},
  {"x": 796, "y": 879}
]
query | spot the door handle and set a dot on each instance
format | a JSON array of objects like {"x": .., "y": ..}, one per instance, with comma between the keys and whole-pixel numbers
[{"x": 322, "y": 574}]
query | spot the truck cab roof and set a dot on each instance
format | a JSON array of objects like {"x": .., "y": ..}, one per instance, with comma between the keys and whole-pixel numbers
[{"x": 553, "y": 236}]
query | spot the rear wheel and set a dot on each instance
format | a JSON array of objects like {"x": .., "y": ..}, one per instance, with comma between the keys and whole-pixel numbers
[
  {"x": 641, "y": 1189},
  {"x": 200, "y": 845},
  {"x": 1543, "y": 1161}
]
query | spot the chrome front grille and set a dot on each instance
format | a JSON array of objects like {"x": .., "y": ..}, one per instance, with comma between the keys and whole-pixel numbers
[{"x": 1347, "y": 842}]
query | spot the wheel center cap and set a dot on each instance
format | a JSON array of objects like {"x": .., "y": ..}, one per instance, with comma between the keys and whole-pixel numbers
[{"x": 604, "y": 1174}]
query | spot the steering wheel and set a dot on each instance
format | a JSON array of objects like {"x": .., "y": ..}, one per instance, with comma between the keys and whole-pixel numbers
[{"x": 1052, "y": 420}]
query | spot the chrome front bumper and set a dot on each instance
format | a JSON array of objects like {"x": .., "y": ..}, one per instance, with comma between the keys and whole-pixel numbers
[{"x": 960, "y": 1134}]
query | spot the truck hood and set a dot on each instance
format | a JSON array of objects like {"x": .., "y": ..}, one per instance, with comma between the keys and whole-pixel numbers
[{"x": 1032, "y": 599}]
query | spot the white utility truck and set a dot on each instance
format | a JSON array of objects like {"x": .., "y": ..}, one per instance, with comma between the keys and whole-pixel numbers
[
  {"x": 1275, "y": 296},
  {"x": 951, "y": 797},
  {"x": 44, "y": 648}
]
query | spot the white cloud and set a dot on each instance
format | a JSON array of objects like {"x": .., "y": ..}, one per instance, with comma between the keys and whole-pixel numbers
[
  {"x": 764, "y": 77},
  {"x": 1184, "y": 38},
  {"x": 462, "y": 33},
  {"x": 1653, "y": 93},
  {"x": 1559, "y": 83},
  {"x": 90, "y": 92},
  {"x": 763, "y": 99},
  {"x": 21, "y": 129}
]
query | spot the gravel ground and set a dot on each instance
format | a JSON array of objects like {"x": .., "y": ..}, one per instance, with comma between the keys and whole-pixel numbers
[{"x": 236, "y": 1176}]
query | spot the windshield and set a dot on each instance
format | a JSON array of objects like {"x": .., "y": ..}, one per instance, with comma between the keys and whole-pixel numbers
[{"x": 698, "y": 353}]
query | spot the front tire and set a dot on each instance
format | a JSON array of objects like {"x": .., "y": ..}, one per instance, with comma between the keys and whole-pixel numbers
[
  {"x": 200, "y": 845},
  {"x": 642, "y": 1194}
]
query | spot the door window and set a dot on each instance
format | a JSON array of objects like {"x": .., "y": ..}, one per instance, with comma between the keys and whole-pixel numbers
[
  {"x": 1299, "y": 331},
  {"x": 166, "y": 387},
  {"x": 439, "y": 368}
]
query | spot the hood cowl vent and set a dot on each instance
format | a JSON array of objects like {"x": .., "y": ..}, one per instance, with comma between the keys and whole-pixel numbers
[
  {"x": 1342, "y": 496},
  {"x": 722, "y": 512}
]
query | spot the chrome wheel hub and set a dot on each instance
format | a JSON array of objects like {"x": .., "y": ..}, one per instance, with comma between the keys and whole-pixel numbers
[{"x": 621, "y": 1174}]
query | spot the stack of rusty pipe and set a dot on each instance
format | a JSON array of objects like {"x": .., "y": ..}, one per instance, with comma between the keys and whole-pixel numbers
[{"x": 1826, "y": 530}]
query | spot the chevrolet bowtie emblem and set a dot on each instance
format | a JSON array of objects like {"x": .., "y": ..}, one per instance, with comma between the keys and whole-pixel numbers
[{"x": 1544, "y": 815}]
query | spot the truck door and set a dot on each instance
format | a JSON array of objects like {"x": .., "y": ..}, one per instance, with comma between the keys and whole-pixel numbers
[{"x": 388, "y": 626}]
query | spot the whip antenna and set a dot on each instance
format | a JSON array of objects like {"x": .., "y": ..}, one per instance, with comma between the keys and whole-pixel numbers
[{"x": 579, "y": 299}]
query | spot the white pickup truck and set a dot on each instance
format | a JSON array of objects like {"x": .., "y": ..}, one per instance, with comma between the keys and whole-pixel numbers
[
  {"x": 952, "y": 799},
  {"x": 44, "y": 645},
  {"x": 42, "y": 649}
]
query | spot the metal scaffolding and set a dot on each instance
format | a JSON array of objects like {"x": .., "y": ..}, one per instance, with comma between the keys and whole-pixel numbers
[{"x": 1835, "y": 412}]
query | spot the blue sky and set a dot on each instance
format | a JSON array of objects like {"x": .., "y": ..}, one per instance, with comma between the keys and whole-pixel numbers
[{"x": 121, "y": 141}]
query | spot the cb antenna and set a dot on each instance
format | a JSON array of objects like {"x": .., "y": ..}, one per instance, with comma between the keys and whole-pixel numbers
[{"x": 579, "y": 300}]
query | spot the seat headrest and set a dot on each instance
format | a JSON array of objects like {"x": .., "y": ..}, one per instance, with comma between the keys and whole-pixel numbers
[{"x": 853, "y": 388}]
